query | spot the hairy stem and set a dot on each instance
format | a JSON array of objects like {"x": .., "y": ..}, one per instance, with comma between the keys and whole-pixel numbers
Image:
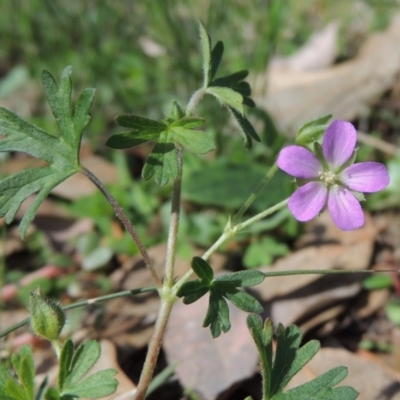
[
  {"x": 194, "y": 101},
  {"x": 173, "y": 225},
  {"x": 127, "y": 224},
  {"x": 154, "y": 348},
  {"x": 167, "y": 297}
]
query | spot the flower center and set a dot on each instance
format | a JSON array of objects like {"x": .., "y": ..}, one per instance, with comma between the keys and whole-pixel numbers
[{"x": 328, "y": 177}]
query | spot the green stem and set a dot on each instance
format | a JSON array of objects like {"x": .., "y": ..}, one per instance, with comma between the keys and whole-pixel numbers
[
  {"x": 154, "y": 348},
  {"x": 250, "y": 200},
  {"x": 173, "y": 225},
  {"x": 261, "y": 215},
  {"x": 86, "y": 303},
  {"x": 194, "y": 101},
  {"x": 57, "y": 348},
  {"x": 229, "y": 232},
  {"x": 127, "y": 224}
]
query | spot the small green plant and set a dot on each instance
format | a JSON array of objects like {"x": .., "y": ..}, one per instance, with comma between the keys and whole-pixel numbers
[{"x": 325, "y": 170}]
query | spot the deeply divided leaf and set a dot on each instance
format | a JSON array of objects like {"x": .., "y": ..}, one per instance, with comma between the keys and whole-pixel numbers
[
  {"x": 217, "y": 316},
  {"x": 192, "y": 291},
  {"x": 242, "y": 278},
  {"x": 227, "y": 97},
  {"x": 246, "y": 128},
  {"x": 83, "y": 360},
  {"x": 216, "y": 56},
  {"x": 202, "y": 269},
  {"x": 162, "y": 161},
  {"x": 59, "y": 150},
  {"x": 289, "y": 359}
]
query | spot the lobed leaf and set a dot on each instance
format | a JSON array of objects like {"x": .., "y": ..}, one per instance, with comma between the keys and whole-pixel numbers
[
  {"x": 312, "y": 131},
  {"x": 227, "y": 97},
  {"x": 320, "y": 387},
  {"x": 217, "y": 316},
  {"x": 188, "y": 122},
  {"x": 131, "y": 139},
  {"x": 60, "y": 151},
  {"x": 66, "y": 356},
  {"x": 83, "y": 360},
  {"x": 244, "y": 301},
  {"x": 138, "y": 123},
  {"x": 242, "y": 278},
  {"x": 162, "y": 162},
  {"x": 192, "y": 291},
  {"x": 216, "y": 56},
  {"x": 97, "y": 385},
  {"x": 202, "y": 269},
  {"x": 194, "y": 141}
]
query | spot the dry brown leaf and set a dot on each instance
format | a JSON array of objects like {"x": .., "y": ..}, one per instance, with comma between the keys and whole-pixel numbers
[
  {"x": 343, "y": 90},
  {"x": 317, "y": 53},
  {"x": 208, "y": 366}
]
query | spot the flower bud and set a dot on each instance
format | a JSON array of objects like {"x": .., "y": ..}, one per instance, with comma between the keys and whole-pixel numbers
[{"x": 47, "y": 318}]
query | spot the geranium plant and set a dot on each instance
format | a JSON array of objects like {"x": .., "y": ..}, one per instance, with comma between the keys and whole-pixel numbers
[{"x": 331, "y": 179}]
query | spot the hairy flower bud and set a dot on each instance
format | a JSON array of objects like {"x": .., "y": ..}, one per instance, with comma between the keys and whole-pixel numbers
[{"x": 47, "y": 318}]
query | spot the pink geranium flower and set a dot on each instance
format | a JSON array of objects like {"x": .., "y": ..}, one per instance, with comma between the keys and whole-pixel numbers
[{"x": 331, "y": 182}]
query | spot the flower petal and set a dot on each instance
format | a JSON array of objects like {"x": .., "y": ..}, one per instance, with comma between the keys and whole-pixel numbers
[
  {"x": 365, "y": 177},
  {"x": 339, "y": 142},
  {"x": 308, "y": 200},
  {"x": 345, "y": 209},
  {"x": 299, "y": 162}
]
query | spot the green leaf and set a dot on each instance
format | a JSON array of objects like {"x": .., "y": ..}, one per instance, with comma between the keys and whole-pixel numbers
[
  {"x": 231, "y": 80},
  {"x": 42, "y": 389},
  {"x": 289, "y": 359},
  {"x": 60, "y": 151},
  {"x": 227, "y": 97},
  {"x": 194, "y": 141},
  {"x": 67, "y": 353},
  {"x": 26, "y": 371},
  {"x": 192, "y": 291},
  {"x": 162, "y": 162},
  {"x": 242, "y": 278},
  {"x": 202, "y": 269},
  {"x": 246, "y": 128},
  {"x": 15, "y": 391},
  {"x": 244, "y": 301},
  {"x": 288, "y": 341},
  {"x": 376, "y": 282},
  {"x": 262, "y": 336},
  {"x": 217, "y": 316},
  {"x": 317, "y": 388},
  {"x": 392, "y": 309},
  {"x": 5, "y": 376},
  {"x": 312, "y": 131},
  {"x": 83, "y": 360},
  {"x": 144, "y": 130},
  {"x": 130, "y": 139},
  {"x": 188, "y": 122},
  {"x": 52, "y": 394},
  {"x": 205, "y": 42},
  {"x": 216, "y": 56},
  {"x": 225, "y": 184},
  {"x": 97, "y": 385},
  {"x": 138, "y": 123}
]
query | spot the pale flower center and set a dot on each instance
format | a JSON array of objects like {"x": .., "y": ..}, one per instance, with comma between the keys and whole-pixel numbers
[{"x": 328, "y": 177}]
